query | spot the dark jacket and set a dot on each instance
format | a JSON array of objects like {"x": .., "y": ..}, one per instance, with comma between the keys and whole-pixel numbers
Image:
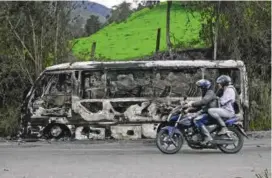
[{"x": 209, "y": 100}]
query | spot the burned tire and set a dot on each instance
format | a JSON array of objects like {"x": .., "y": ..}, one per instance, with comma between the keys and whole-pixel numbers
[{"x": 56, "y": 131}]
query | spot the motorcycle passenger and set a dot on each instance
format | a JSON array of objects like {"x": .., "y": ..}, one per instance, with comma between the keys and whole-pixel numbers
[
  {"x": 209, "y": 100},
  {"x": 226, "y": 102}
]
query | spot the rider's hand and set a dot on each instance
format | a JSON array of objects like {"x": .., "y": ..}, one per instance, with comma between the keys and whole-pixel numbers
[
  {"x": 188, "y": 105},
  {"x": 187, "y": 110}
]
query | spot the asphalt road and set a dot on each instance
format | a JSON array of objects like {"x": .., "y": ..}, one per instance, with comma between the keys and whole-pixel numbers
[{"x": 129, "y": 160}]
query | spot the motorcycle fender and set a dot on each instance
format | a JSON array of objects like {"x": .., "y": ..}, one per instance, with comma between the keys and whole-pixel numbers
[
  {"x": 239, "y": 126},
  {"x": 171, "y": 130}
]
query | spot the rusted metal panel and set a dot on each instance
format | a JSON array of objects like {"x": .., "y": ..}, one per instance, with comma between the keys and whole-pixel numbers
[
  {"x": 147, "y": 64},
  {"x": 126, "y": 132}
]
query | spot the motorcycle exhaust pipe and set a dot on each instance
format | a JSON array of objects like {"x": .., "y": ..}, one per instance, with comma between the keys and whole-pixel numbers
[{"x": 223, "y": 142}]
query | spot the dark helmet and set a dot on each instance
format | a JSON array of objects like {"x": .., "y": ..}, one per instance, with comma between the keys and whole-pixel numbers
[
  {"x": 204, "y": 84},
  {"x": 223, "y": 80}
]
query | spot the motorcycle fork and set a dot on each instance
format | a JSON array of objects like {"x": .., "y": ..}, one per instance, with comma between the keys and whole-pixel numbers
[{"x": 173, "y": 130}]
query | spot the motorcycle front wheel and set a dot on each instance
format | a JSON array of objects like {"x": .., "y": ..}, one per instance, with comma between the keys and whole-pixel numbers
[
  {"x": 237, "y": 146},
  {"x": 165, "y": 143}
]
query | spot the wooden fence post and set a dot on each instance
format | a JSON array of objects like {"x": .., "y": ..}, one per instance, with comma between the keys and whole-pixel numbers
[
  {"x": 158, "y": 40},
  {"x": 93, "y": 50}
]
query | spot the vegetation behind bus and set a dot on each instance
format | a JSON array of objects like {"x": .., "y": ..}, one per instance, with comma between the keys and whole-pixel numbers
[{"x": 244, "y": 34}]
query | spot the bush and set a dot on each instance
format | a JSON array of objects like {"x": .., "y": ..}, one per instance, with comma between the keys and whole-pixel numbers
[
  {"x": 9, "y": 117},
  {"x": 260, "y": 105}
]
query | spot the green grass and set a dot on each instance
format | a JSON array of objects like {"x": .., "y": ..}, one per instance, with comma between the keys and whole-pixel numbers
[{"x": 136, "y": 37}]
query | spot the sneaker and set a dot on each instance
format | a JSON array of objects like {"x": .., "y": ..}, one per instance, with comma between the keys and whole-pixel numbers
[
  {"x": 207, "y": 140},
  {"x": 223, "y": 131}
]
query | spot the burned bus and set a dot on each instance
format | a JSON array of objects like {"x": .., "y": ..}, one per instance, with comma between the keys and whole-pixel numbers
[{"x": 98, "y": 100}]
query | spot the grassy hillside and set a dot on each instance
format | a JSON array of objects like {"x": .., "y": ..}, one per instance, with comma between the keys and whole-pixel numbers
[{"x": 137, "y": 36}]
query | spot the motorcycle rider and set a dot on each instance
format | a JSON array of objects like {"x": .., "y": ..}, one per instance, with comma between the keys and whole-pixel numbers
[
  {"x": 226, "y": 102},
  {"x": 209, "y": 100}
]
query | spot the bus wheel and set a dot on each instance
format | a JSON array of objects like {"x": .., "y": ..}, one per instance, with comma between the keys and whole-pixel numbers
[{"x": 56, "y": 131}]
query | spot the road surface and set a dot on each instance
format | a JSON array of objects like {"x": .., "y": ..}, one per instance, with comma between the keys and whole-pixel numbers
[{"x": 129, "y": 160}]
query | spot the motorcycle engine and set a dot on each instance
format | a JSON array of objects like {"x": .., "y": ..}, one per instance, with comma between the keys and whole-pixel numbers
[{"x": 196, "y": 138}]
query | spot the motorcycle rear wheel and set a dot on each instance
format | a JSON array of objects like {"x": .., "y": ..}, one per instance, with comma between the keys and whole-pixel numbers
[
  {"x": 163, "y": 137},
  {"x": 237, "y": 147}
]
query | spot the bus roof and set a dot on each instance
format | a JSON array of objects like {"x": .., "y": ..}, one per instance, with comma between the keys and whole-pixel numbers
[{"x": 148, "y": 64}]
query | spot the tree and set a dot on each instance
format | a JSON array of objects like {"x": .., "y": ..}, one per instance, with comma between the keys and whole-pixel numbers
[
  {"x": 92, "y": 25},
  {"x": 144, "y": 3},
  {"x": 150, "y": 4},
  {"x": 216, "y": 31},
  {"x": 76, "y": 28},
  {"x": 33, "y": 35},
  {"x": 120, "y": 12},
  {"x": 37, "y": 31},
  {"x": 244, "y": 33},
  {"x": 168, "y": 41}
]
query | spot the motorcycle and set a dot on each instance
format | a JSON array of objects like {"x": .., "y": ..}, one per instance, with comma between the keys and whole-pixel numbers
[{"x": 180, "y": 126}]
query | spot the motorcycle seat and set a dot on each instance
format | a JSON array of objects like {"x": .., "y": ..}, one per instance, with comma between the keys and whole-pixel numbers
[{"x": 230, "y": 118}]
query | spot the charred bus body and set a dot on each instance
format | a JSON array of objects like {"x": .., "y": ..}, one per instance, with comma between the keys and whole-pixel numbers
[{"x": 97, "y": 100}]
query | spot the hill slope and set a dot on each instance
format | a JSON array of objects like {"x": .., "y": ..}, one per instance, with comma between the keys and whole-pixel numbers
[
  {"x": 137, "y": 36},
  {"x": 84, "y": 9}
]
